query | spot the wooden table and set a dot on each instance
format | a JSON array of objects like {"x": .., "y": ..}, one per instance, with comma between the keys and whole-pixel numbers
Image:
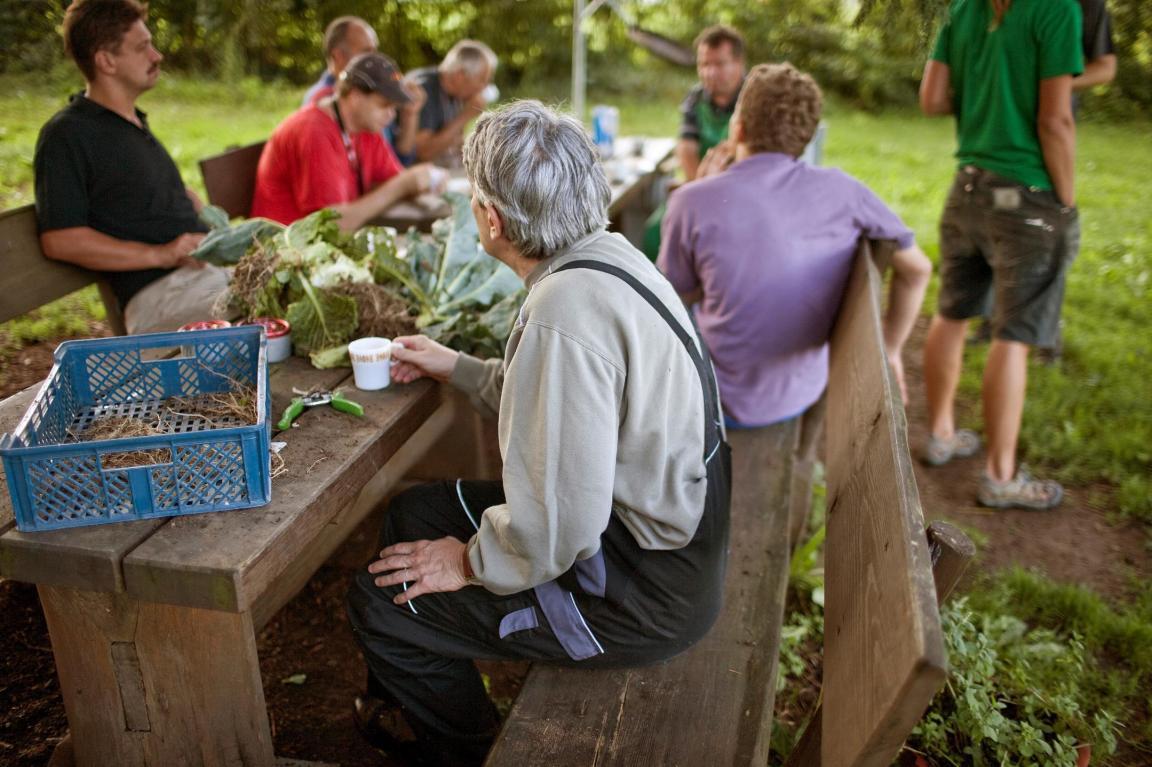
[
  {"x": 153, "y": 623},
  {"x": 634, "y": 174}
]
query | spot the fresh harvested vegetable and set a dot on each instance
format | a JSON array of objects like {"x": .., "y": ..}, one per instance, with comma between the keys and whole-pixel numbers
[
  {"x": 333, "y": 287},
  {"x": 463, "y": 297},
  {"x": 226, "y": 243}
]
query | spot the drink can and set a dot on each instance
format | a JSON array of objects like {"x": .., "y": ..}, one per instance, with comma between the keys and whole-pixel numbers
[{"x": 605, "y": 127}]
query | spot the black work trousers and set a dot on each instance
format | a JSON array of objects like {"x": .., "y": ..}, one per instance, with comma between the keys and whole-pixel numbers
[{"x": 648, "y": 606}]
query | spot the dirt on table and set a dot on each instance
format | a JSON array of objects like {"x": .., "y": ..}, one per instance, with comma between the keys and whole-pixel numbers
[{"x": 312, "y": 667}]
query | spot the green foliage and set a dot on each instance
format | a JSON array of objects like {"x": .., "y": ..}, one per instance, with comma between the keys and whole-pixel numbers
[
  {"x": 1119, "y": 635},
  {"x": 310, "y": 258},
  {"x": 870, "y": 53},
  {"x": 458, "y": 294},
  {"x": 1014, "y": 696},
  {"x": 320, "y": 320},
  {"x": 227, "y": 243}
]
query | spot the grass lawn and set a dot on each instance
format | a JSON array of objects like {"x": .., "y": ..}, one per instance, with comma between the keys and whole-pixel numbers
[{"x": 1088, "y": 420}]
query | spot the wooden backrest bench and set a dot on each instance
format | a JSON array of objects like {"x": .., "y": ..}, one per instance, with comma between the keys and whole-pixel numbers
[
  {"x": 29, "y": 279},
  {"x": 884, "y": 651},
  {"x": 230, "y": 178}
]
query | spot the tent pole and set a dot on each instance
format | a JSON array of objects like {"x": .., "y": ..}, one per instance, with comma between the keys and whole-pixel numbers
[{"x": 579, "y": 73}]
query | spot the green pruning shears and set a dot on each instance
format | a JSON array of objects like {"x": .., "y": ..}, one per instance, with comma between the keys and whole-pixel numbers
[{"x": 307, "y": 399}]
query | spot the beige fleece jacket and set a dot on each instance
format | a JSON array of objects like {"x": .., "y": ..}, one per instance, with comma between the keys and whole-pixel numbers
[{"x": 600, "y": 407}]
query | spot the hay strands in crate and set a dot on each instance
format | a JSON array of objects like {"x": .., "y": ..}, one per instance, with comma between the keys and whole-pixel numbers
[{"x": 199, "y": 450}]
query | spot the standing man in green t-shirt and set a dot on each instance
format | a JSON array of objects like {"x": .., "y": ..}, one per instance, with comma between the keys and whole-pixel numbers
[{"x": 1004, "y": 68}]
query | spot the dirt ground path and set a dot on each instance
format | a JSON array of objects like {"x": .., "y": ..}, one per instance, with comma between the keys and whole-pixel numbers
[
  {"x": 312, "y": 668},
  {"x": 1081, "y": 541}
]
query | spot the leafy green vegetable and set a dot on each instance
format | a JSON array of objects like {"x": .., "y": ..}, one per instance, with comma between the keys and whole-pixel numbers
[
  {"x": 456, "y": 293},
  {"x": 333, "y": 357},
  {"x": 455, "y": 287},
  {"x": 226, "y": 244},
  {"x": 321, "y": 319}
]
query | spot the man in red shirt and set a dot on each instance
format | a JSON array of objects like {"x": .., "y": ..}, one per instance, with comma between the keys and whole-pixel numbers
[{"x": 331, "y": 154}]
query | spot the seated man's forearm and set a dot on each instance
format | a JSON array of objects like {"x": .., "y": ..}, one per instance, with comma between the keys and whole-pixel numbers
[
  {"x": 431, "y": 144},
  {"x": 355, "y": 214},
  {"x": 406, "y": 135},
  {"x": 692, "y": 297},
  {"x": 86, "y": 247},
  {"x": 911, "y": 271}
]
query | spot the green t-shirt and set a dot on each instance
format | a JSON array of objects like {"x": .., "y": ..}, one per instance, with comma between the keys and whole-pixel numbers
[{"x": 995, "y": 78}]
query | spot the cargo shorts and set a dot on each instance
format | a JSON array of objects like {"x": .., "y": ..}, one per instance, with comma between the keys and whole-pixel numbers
[{"x": 1012, "y": 241}]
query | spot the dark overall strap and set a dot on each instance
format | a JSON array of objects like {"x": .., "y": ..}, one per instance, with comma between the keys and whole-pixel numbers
[{"x": 699, "y": 355}]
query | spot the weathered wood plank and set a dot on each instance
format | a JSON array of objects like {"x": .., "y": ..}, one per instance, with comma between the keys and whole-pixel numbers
[
  {"x": 156, "y": 685},
  {"x": 29, "y": 279},
  {"x": 226, "y": 561},
  {"x": 884, "y": 654},
  {"x": 333, "y": 535},
  {"x": 230, "y": 178},
  {"x": 951, "y": 552},
  {"x": 11, "y": 411},
  {"x": 639, "y": 716}
]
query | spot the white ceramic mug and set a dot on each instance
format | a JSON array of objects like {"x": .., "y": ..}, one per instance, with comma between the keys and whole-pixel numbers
[{"x": 372, "y": 362}]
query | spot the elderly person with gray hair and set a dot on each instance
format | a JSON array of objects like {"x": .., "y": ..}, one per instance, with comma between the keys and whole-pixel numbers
[
  {"x": 605, "y": 542},
  {"x": 456, "y": 96}
]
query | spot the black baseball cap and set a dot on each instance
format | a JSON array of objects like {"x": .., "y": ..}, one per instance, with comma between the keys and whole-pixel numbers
[{"x": 376, "y": 73}]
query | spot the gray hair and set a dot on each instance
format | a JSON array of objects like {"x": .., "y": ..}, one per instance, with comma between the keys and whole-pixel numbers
[
  {"x": 472, "y": 57},
  {"x": 541, "y": 172}
]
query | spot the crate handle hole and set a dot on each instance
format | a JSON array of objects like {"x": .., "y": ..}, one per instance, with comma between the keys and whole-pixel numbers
[
  {"x": 134, "y": 459},
  {"x": 158, "y": 353}
]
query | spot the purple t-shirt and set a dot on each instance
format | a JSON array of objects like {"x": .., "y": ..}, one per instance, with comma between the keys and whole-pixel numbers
[{"x": 770, "y": 241}]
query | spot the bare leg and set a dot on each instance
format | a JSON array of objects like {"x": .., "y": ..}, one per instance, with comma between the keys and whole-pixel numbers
[
  {"x": 1005, "y": 382},
  {"x": 943, "y": 357}
]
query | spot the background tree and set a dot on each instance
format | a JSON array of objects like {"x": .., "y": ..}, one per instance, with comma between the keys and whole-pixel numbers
[{"x": 870, "y": 52}]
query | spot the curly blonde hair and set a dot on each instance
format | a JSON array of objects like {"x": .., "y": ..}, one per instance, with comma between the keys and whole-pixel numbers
[{"x": 779, "y": 109}]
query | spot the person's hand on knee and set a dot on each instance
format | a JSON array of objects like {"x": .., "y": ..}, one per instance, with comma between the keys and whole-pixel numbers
[{"x": 421, "y": 567}]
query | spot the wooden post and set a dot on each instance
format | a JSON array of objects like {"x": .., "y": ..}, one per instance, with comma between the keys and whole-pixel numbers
[
  {"x": 157, "y": 685},
  {"x": 951, "y": 550}
]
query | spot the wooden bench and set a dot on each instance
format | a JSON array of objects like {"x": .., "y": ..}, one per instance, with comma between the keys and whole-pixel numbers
[
  {"x": 29, "y": 279},
  {"x": 884, "y": 651}
]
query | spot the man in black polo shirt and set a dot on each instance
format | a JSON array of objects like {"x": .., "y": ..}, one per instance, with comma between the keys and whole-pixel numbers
[{"x": 108, "y": 195}]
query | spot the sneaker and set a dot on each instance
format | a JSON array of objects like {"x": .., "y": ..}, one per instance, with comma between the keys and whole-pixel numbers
[
  {"x": 964, "y": 443},
  {"x": 1020, "y": 492}
]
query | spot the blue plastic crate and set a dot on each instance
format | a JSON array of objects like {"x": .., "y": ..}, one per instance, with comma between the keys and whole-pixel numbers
[{"x": 57, "y": 480}]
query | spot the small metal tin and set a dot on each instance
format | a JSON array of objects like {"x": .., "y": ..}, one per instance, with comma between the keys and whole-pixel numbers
[
  {"x": 206, "y": 325},
  {"x": 279, "y": 334}
]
